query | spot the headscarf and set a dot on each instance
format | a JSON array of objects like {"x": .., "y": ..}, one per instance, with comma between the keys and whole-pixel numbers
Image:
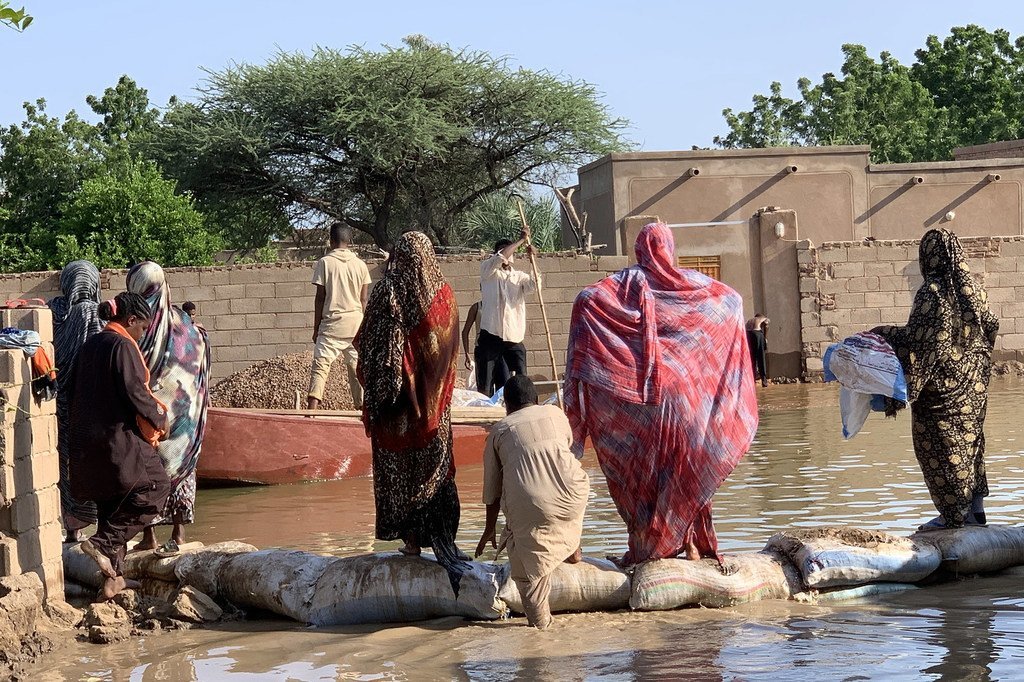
[
  {"x": 652, "y": 331},
  {"x": 178, "y": 357},
  {"x": 408, "y": 345},
  {"x": 949, "y": 319},
  {"x": 75, "y": 318},
  {"x": 943, "y": 263}
]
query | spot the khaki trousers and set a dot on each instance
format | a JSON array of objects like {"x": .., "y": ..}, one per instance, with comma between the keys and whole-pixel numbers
[
  {"x": 327, "y": 350},
  {"x": 534, "y": 594}
]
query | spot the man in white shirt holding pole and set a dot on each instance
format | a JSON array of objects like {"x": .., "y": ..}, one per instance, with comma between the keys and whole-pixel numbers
[{"x": 503, "y": 308}]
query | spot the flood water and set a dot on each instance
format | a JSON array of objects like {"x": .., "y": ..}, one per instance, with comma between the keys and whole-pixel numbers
[{"x": 799, "y": 472}]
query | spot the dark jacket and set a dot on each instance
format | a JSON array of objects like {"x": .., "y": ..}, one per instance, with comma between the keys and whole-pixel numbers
[{"x": 108, "y": 456}]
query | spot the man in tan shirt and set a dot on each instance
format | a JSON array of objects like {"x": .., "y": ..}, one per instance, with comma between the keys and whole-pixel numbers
[
  {"x": 342, "y": 283},
  {"x": 533, "y": 477}
]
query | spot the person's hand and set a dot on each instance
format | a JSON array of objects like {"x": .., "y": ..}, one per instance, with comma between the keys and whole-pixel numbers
[
  {"x": 469, "y": 362},
  {"x": 529, "y": 249},
  {"x": 489, "y": 535}
]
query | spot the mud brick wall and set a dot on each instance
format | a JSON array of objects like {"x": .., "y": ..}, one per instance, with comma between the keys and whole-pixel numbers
[
  {"x": 256, "y": 312},
  {"x": 30, "y": 528},
  {"x": 847, "y": 287}
]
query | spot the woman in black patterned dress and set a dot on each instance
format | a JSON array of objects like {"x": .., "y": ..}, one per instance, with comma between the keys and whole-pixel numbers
[{"x": 946, "y": 352}]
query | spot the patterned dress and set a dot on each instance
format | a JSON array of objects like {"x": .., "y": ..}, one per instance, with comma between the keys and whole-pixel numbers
[
  {"x": 659, "y": 378},
  {"x": 946, "y": 352},
  {"x": 408, "y": 348},
  {"x": 178, "y": 355},
  {"x": 75, "y": 319}
]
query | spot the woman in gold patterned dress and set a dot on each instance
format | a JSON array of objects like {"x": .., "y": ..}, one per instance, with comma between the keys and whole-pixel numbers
[{"x": 946, "y": 352}]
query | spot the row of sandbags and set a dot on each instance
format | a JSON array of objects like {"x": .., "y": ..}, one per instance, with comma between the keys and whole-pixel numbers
[{"x": 815, "y": 564}]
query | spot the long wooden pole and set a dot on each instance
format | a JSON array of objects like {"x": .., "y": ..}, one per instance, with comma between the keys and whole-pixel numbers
[{"x": 540, "y": 298}]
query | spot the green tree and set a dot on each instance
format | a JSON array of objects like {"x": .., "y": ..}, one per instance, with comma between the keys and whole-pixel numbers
[
  {"x": 133, "y": 214},
  {"x": 495, "y": 217},
  {"x": 403, "y": 137},
  {"x": 16, "y": 19},
  {"x": 976, "y": 75},
  {"x": 963, "y": 90}
]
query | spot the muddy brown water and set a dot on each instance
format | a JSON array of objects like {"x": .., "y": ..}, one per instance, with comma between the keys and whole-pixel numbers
[{"x": 799, "y": 472}]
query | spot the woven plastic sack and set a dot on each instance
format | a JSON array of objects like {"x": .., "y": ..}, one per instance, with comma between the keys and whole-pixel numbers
[
  {"x": 867, "y": 369},
  {"x": 590, "y": 585},
  {"x": 845, "y": 557},
  {"x": 672, "y": 583},
  {"x": 391, "y": 588}
]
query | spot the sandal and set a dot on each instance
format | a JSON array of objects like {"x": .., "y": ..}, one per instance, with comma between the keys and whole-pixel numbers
[{"x": 168, "y": 549}]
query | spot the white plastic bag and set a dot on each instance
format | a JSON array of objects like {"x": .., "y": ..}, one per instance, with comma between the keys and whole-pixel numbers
[
  {"x": 471, "y": 378},
  {"x": 868, "y": 370}
]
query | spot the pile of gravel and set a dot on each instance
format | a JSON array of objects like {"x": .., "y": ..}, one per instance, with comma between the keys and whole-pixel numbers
[{"x": 271, "y": 385}]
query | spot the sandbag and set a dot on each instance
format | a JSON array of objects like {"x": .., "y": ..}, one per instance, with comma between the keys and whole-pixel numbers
[
  {"x": 392, "y": 588},
  {"x": 200, "y": 569},
  {"x": 591, "y": 585},
  {"x": 80, "y": 568},
  {"x": 974, "y": 549},
  {"x": 282, "y": 582},
  {"x": 851, "y": 593},
  {"x": 147, "y": 564},
  {"x": 671, "y": 583},
  {"x": 844, "y": 557}
]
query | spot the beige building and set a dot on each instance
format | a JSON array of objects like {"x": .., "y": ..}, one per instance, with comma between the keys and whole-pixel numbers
[{"x": 742, "y": 215}]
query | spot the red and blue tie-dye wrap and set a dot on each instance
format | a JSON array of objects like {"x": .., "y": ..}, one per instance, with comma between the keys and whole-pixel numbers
[
  {"x": 178, "y": 355},
  {"x": 658, "y": 377}
]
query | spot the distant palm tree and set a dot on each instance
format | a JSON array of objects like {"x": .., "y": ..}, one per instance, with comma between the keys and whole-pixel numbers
[{"x": 496, "y": 217}]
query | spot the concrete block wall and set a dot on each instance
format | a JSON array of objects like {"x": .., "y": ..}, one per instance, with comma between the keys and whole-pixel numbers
[
  {"x": 30, "y": 528},
  {"x": 847, "y": 287},
  {"x": 256, "y": 312}
]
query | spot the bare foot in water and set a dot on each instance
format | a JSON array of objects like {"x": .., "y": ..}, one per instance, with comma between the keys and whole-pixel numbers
[
  {"x": 106, "y": 568},
  {"x": 575, "y": 557}
]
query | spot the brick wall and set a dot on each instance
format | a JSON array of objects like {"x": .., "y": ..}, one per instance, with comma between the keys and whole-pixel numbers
[
  {"x": 256, "y": 312},
  {"x": 847, "y": 287},
  {"x": 30, "y": 528}
]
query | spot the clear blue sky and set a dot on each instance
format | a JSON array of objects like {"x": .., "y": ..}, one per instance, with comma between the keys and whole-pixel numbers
[{"x": 669, "y": 67}]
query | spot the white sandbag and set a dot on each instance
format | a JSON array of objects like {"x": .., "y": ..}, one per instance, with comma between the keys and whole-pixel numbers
[
  {"x": 392, "y": 588},
  {"x": 867, "y": 368},
  {"x": 590, "y": 585},
  {"x": 200, "y": 569},
  {"x": 974, "y": 549},
  {"x": 843, "y": 557},
  {"x": 147, "y": 564},
  {"x": 672, "y": 583},
  {"x": 852, "y": 593},
  {"x": 80, "y": 568},
  {"x": 278, "y": 581}
]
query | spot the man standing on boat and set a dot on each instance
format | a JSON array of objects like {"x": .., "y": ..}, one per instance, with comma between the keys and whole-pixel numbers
[
  {"x": 531, "y": 474},
  {"x": 342, "y": 283},
  {"x": 503, "y": 291}
]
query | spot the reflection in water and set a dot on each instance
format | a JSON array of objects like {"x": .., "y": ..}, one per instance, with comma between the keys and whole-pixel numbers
[{"x": 799, "y": 473}]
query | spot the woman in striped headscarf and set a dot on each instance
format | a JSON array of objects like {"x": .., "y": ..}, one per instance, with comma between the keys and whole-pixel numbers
[
  {"x": 74, "y": 320},
  {"x": 178, "y": 356}
]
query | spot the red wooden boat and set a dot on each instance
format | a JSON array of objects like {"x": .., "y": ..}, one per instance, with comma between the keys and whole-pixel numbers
[{"x": 269, "y": 447}]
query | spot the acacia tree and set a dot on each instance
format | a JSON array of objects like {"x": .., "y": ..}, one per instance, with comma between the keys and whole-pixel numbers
[
  {"x": 404, "y": 137},
  {"x": 963, "y": 90}
]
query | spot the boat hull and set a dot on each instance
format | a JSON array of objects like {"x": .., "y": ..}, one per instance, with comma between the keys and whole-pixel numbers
[{"x": 262, "y": 448}]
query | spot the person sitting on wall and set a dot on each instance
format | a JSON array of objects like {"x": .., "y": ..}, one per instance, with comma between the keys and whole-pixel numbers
[
  {"x": 503, "y": 307},
  {"x": 757, "y": 339},
  {"x": 342, "y": 283},
  {"x": 532, "y": 475}
]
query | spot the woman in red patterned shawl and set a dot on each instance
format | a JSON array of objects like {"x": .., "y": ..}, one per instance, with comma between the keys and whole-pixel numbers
[
  {"x": 658, "y": 376},
  {"x": 408, "y": 347}
]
